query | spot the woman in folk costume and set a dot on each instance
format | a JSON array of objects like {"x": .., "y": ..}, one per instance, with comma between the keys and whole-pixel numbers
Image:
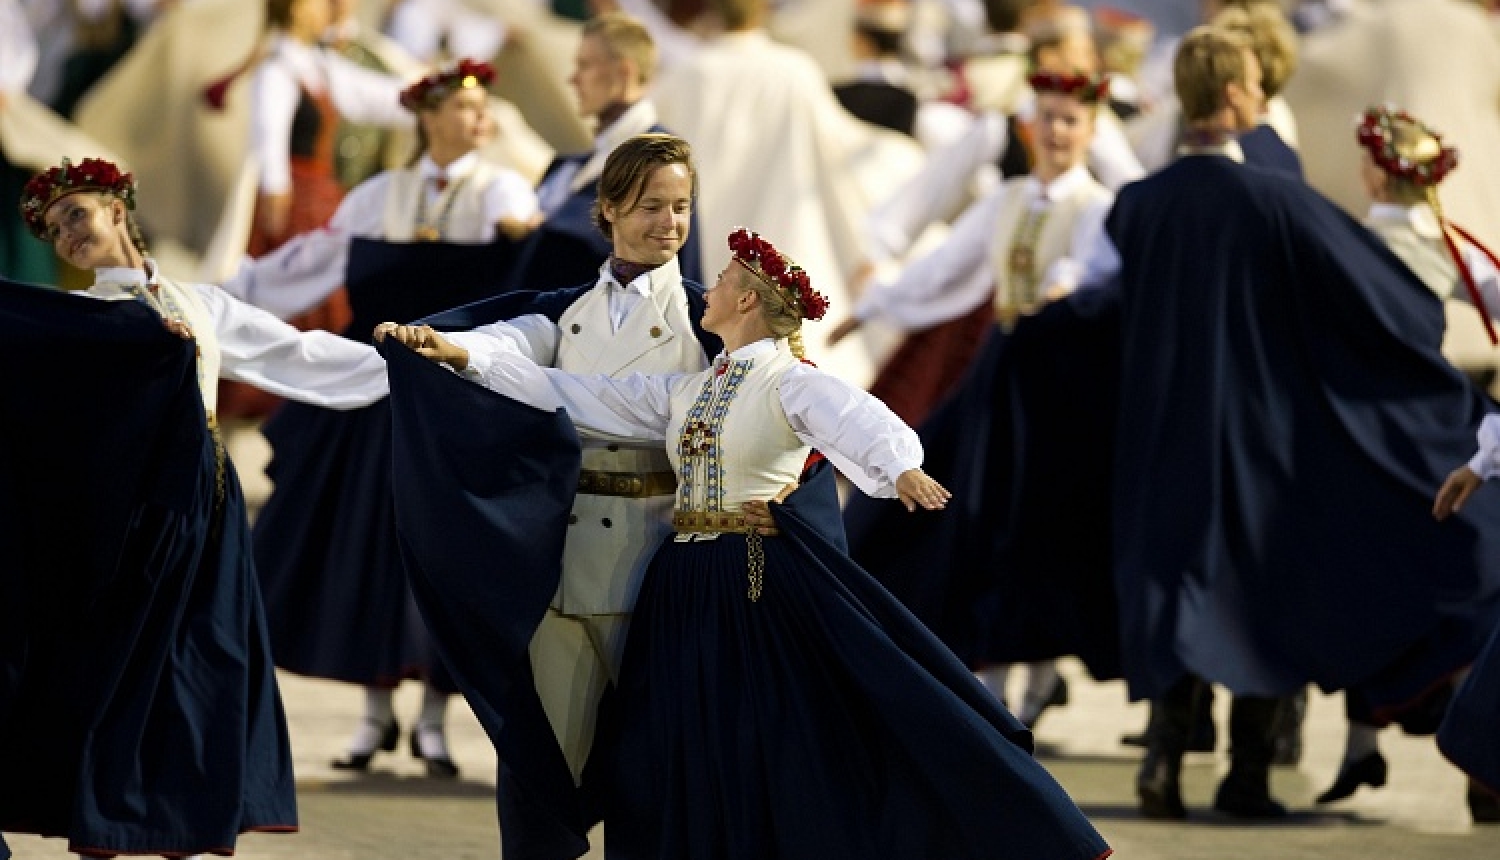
[
  {"x": 934, "y": 355},
  {"x": 165, "y": 637},
  {"x": 773, "y": 700},
  {"x": 300, "y": 91},
  {"x": 1031, "y": 241},
  {"x": 1026, "y": 242},
  {"x": 1402, "y": 163},
  {"x": 336, "y": 594}
]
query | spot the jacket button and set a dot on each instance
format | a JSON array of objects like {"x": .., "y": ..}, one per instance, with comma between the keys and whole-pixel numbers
[
  {"x": 656, "y": 331},
  {"x": 572, "y": 519},
  {"x": 577, "y": 328},
  {"x": 605, "y": 522}
]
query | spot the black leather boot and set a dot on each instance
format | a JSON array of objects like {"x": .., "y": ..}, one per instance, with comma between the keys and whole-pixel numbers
[
  {"x": 1158, "y": 785},
  {"x": 1246, "y": 791}
]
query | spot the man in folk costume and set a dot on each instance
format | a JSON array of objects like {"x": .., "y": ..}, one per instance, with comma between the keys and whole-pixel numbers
[
  {"x": 640, "y": 315},
  {"x": 1276, "y": 443},
  {"x": 315, "y": 572},
  {"x": 1402, "y": 161},
  {"x": 1272, "y": 141},
  {"x": 755, "y": 109},
  {"x": 612, "y": 72}
]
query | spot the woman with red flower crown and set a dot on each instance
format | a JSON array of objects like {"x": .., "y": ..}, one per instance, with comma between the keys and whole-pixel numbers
[
  {"x": 773, "y": 700},
  {"x": 336, "y": 594},
  {"x": 1402, "y": 162},
  {"x": 137, "y": 691},
  {"x": 1031, "y": 241}
]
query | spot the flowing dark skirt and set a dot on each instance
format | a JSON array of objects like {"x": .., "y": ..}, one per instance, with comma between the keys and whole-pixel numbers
[
  {"x": 138, "y": 706},
  {"x": 821, "y": 721},
  {"x": 1017, "y": 569},
  {"x": 148, "y": 720},
  {"x": 325, "y": 543},
  {"x": 1470, "y": 734},
  {"x": 337, "y": 595}
]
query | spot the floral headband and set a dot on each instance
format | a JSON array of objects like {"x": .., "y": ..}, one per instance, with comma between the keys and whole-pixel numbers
[
  {"x": 1089, "y": 89},
  {"x": 55, "y": 183},
  {"x": 785, "y": 277},
  {"x": 430, "y": 91},
  {"x": 1376, "y": 134}
]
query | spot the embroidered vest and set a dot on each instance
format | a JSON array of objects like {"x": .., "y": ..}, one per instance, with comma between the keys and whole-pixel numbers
[
  {"x": 1027, "y": 241},
  {"x": 729, "y": 440},
  {"x": 462, "y": 201},
  {"x": 1427, "y": 257},
  {"x": 180, "y": 300}
]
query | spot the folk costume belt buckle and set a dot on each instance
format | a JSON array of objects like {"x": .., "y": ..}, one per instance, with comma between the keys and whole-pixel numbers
[{"x": 627, "y": 485}]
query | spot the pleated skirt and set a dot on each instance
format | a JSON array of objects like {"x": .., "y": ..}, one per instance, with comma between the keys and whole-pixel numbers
[{"x": 819, "y": 721}]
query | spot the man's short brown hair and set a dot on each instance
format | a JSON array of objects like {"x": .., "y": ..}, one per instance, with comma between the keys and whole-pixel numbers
[
  {"x": 627, "y": 169},
  {"x": 625, "y": 38},
  {"x": 1208, "y": 60}
]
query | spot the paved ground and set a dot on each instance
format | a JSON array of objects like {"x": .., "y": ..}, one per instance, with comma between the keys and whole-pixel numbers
[{"x": 396, "y": 813}]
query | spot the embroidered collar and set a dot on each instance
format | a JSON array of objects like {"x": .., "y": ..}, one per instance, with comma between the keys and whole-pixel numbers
[{"x": 1419, "y": 217}]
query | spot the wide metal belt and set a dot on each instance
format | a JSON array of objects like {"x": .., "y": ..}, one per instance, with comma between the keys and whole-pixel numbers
[
  {"x": 627, "y": 485},
  {"x": 714, "y": 522}
]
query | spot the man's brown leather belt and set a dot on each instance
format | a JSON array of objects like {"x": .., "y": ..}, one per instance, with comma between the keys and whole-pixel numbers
[{"x": 627, "y": 485}]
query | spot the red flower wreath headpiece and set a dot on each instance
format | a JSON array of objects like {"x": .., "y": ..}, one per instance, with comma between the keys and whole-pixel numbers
[
  {"x": 1375, "y": 134},
  {"x": 1089, "y": 89},
  {"x": 431, "y": 90},
  {"x": 781, "y": 274},
  {"x": 55, "y": 183}
]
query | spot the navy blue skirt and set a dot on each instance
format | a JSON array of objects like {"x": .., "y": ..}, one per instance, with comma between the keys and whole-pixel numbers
[
  {"x": 1470, "y": 734},
  {"x": 337, "y": 595},
  {"x": 1018, "y": 567},
  {"x": 820, "y": 721},
  {"x": 152, "y": 723},
  {"x": 325, "y": 544}
]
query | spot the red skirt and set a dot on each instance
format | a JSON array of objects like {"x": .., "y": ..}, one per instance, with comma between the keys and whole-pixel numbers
[
  {"x": 316, "y": 194},
  {"x": 930, "y": 364}
]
